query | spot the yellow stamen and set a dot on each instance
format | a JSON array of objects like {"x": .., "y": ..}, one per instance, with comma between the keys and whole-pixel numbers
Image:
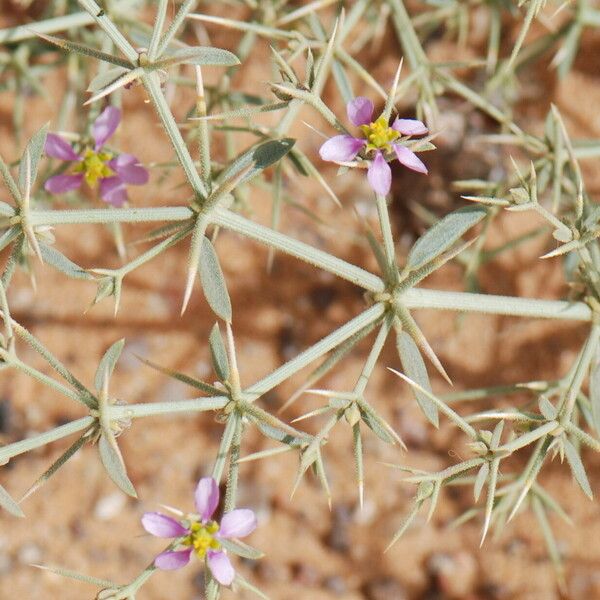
[
  {"x": 202, "y": 538},
  {"x": 94, "y": 166},
  {"x": 379, "y": 135}
]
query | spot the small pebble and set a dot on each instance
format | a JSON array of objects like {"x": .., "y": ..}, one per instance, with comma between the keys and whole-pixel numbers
[
  {"x": 385, "y": 588},
  {"x": 109, "y": 506},
  {"x": 455, "y": 574},
  {"x": 30, "y": 554}
]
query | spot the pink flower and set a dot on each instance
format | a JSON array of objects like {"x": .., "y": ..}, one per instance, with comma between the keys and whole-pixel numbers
[
  {"x": 200, "y": 534},
  {"x": 96, "y": 165},
  {"x": 378, "y": 141}
]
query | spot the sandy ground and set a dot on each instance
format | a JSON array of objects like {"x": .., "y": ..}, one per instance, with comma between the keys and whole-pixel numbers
[{"x": 81, "y": 522}]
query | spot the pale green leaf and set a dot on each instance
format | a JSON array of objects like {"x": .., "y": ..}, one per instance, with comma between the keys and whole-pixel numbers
[
  {"x": 241, "y": 549},
  {"x": 107, "y": 363},
  {"x": 63, "y": 264},
  {"x": 218, "y": 353},
  {"x": 34, "y": 150},
  {"x": 577, "y": 468},
  {"x": 213, "y": 282},
  {"x": 414, "y": 367},
  {"x": 443, "y": 234},
  {"x": 106, "y": 78},
  {"x": 113, "y": 463},
  {"x": 198, "y": 55},
  {"x": 480, "y": 480}
]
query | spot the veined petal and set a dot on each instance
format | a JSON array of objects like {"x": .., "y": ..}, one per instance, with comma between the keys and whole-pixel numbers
[
  {"x": 360, "y": 111},
  {"x": 60, "y": 184},
  {"x": 129, "y": 169},
  {"x": 238, "y": 523},
  {"x": 409, "y": 159},
  {"x": 409, "y": 127},
  {"x": 162, "y": 526},
  {"x": 113, "y": 191},
  {"x": 341, "y": 148},
  {"x": 206, "y": 497},
  {"x": 57, "y": 147},
  {"x": 105, "y": 125},
  {"x": 172, "y": 559},
  {"x": 380, "y": 175},
  {"x": 220, "y": 566}
]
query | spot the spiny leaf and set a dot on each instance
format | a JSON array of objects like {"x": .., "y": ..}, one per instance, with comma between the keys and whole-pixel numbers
[
  {"x": 261, "y": 156},
  {"x": 10, "y": 182},
  {"x": 243, "y": 583},
  {"x": 119, "y": 82},
  {"x": 480, "y": 480},
  {"x": 107, "y": 363},
  {"x": 198, "y": 56},
  {"x": 414, "y": 367},
  {"x": 56, "y": 465},
  {"x": 242, "y": 549},
  {"x": 443, "y": 234},
  {"x": 7, "y": 503},
  {"x": 77, "y": 576},
  {"x": 85, "y": 50},
  {"x": 201, "y": 385},
  {"x": 213, "y": 282},
  {"x": 578, "y": 469},
  {"x": 113, "y": 463},
  {"x": 63, "y": 264},
  {"x": 34, "y": 149},
  {"x": 379, "y": 426},
  {"x": 218, "y": 353},
  {"x": 405, "y": 524},
  {"x": 103, "y": 80}
]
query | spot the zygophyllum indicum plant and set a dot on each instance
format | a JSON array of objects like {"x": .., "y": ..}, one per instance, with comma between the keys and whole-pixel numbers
[{"x": 72, "y": 172}]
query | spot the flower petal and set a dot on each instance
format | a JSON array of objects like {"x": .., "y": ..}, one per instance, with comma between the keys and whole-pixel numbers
[
  {"x": 220, "y": 566},
  {"x": 105, "y": 125},
  {"x": 380, "y": 175},
  {"x": 60, "y": 184},
  {"x": 409, "y": 127},
  {"x": 207, "y": 497},
  {"x": 237, "y": 523},
  {"x": 172, "y": 559},
  {"x": 360, "y": 111},
  {"x": 58, "y": 147},
  {"x": 409, "y": 159},
  {"x": 162, "y": 526},
  {"x": 113, "y": 191},
  {"x": 341, "y": 148},
  {"x": 129, "y": 169}
]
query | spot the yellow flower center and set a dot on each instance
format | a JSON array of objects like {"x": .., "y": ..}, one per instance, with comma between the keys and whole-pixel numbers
[
  {"x": 202, "y": 538},
  {"x": 379, "y": 135},
  {"x": 94, "y": 166}
]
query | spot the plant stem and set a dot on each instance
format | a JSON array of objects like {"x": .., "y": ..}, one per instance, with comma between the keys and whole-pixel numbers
[
  {"x": 498, "y": 305},
  {"x": 386, "y": 231},
  {"x": 9, "y": 451},
  {"x": 150, "y": 409},
  {"x": 274, "y": 239},
  {"x": 319, "y": 349},
  {"x": 109, "y": 215},
  {"x": 152, "y": 85}
]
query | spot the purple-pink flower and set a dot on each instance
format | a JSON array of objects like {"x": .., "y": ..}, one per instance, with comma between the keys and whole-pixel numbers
[
  {"x": 378, "y": 142},
  {"x": 96, "y": 165},
  {"x": 201, "y": 534}
]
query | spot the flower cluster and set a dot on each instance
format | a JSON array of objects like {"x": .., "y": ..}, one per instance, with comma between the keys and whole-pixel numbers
[
  {"x": 96, "y": 165},
  {"x": 378, "y": 141},
  {"x": 200, "y": 534}
]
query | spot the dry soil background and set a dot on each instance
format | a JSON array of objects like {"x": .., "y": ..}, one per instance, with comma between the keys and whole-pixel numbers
[{"x": 81, "y": 522}]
